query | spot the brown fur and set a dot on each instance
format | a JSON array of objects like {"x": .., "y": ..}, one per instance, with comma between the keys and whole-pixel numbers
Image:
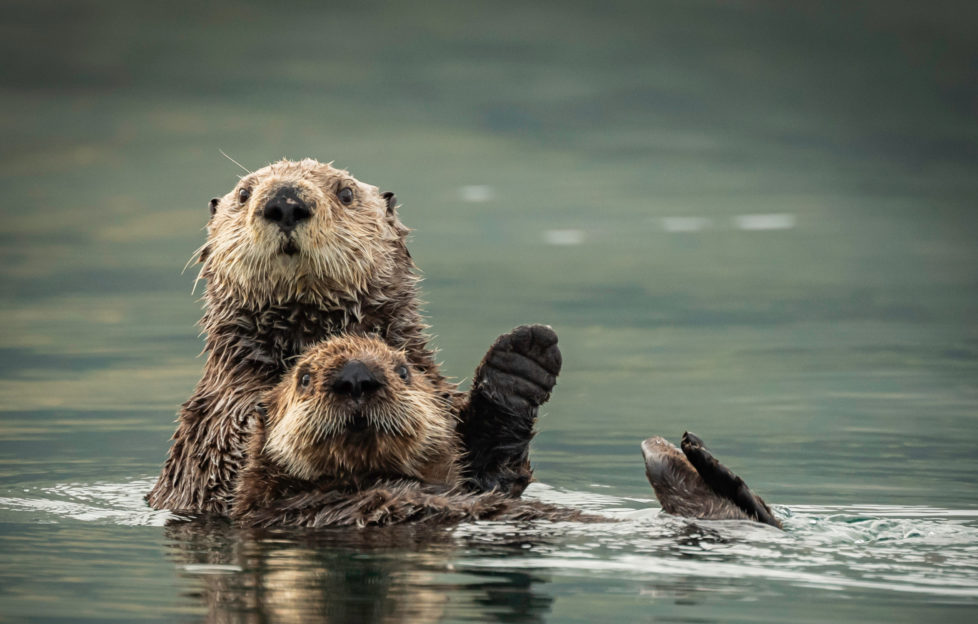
[
  {"x": 410, "y": 429},
  {"x": 351, "y": 271},
  {"x": 307, "y": 465},
  {"x": 680, "y": 489},
  {"x": 273, "y": 293},
  {"x": 707, "y": 490}
]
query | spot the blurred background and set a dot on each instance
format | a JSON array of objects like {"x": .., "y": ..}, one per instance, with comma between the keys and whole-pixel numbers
[{"x": 754, "y": 220}]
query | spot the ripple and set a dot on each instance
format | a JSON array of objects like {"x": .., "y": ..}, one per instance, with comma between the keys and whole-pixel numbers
[
  {"x": 906, "y": 549},
  {"x": 110, "y": 503}
]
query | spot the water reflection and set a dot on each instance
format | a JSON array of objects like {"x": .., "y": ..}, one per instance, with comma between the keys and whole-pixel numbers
[
  {"x": 489, "y": 571},
  {"x": 392, "y": 574}
]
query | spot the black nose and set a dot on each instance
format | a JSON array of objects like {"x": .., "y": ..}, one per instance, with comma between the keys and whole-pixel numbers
[
  {"x": 355, "y": 380},
  {"x": 286, "y": 210}
]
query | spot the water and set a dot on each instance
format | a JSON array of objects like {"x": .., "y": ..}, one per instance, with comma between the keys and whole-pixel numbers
[
  {"x": 902, "y": 560},
  {"x": 755, "y": 222}
]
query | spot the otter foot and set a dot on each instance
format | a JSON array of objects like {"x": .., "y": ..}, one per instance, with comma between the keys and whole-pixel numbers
[
  {"x": 724, "y": 482},
  {"x": 520, "y": 369},
  {"x": 513, "y": 380}
]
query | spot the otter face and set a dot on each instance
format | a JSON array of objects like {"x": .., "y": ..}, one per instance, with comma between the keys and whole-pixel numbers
[
  {"x": 354, "y": 407},
  {"x": 302, "y": 229}
]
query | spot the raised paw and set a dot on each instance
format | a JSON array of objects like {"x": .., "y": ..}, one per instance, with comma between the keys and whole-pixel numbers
[
  {"x": 520, "y": 368},
  {"x": 725, "y": 482}
]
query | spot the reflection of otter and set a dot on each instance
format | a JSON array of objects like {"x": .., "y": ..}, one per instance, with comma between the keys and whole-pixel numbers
[
  {"x": 693, "y": 483},
  {"x": 385, "y": 574},
  {"x": 300, "y": 251},
  {"x": 357, "y": 435}
]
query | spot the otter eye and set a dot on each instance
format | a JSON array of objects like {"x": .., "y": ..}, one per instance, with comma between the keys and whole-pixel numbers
[
  {"x": 243, "y": 195},
  {"x": 304, "y": 380},
  {"x": 346, "y": 195},
  {"x": 402, "y": 372}
]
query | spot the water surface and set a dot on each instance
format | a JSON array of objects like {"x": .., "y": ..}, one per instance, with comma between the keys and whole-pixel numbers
[{"x": 754, "y": 221}]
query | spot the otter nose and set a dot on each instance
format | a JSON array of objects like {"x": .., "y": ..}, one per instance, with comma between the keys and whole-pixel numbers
[
  {"x": 355, "y": 380},
  {"x": 286, "y": 210}
]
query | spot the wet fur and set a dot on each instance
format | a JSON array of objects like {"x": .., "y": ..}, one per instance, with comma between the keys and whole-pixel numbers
[
  {"x": 390, "y": 503},
  {"x": 692, "y": 483},
  {"x": 351, "y": 272},
  {"x": 497, "y": 419},
  {"x": 410, "y": 427},
  {"x": 306, "y": 466},
  {"x": 318, "y": 457}
]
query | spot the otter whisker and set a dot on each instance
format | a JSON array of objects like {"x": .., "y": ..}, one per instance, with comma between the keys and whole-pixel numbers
[
  {"x": 234, "y": 161},
  {"x": 193, "y": 289},
  {"x": 194, "y": 257}
]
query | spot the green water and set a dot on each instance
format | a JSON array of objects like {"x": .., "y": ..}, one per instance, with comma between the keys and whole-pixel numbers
[{"x": 588, "y": 166}]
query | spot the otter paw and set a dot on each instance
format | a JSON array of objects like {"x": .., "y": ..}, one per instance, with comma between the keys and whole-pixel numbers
[
  {"x": 520, "y": 369},
  {"x": 724, "y": 482}
]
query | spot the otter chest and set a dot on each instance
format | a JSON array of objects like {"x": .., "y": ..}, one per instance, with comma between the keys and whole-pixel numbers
[{"x": 274, "y": 335}]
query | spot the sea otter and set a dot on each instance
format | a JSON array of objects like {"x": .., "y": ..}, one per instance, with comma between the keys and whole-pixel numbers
[
  {"x": 301, "y": 251},
  {"x": 356, "y": 435}
]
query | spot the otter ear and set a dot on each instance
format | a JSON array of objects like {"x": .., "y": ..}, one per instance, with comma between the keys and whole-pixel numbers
[
  {"x": 262, "y": 412},
  {"x": 391, "y": 202}
]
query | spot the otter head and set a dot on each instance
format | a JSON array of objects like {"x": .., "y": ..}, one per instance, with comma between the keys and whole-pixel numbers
[
  {"x": 353, "y": 408},
  {"x": 302, "y": 230}
]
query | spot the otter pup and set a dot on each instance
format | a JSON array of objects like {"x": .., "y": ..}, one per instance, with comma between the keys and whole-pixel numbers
[
  {"x": 693, "y": 483},
  {"x": 355, "y": 435},
  {"x": 297, "y": 252}
]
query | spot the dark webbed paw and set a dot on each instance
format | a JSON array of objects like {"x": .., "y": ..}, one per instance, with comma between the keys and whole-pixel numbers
[
  {"x": 520, "y": 369},
  {"x": 724, "y": 482}
]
